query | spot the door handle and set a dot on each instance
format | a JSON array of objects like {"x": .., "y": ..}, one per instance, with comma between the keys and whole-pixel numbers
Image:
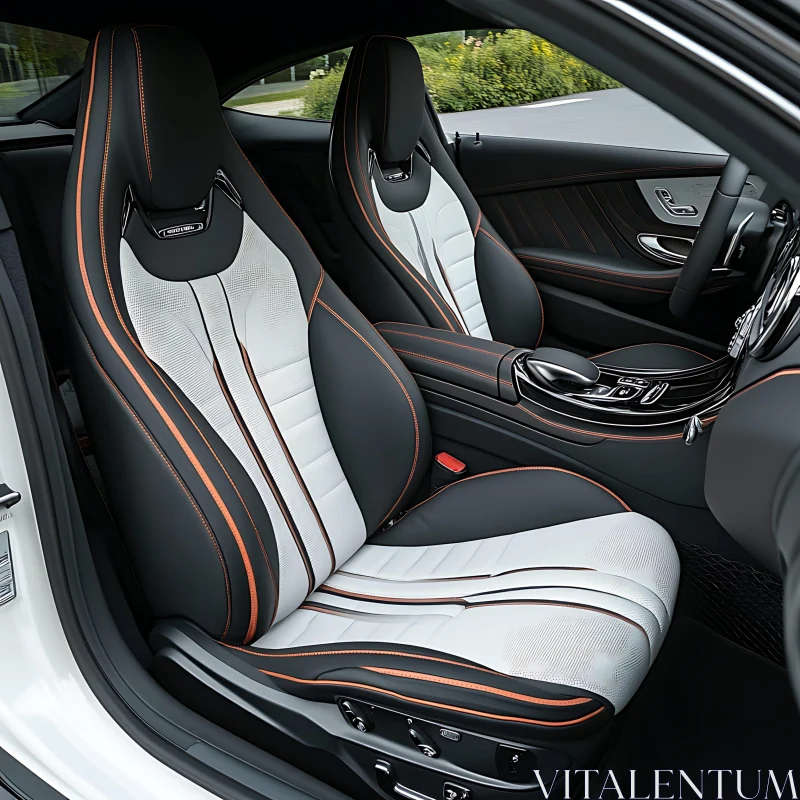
[
  {"x": 654, "y": 244},
  {"x": 671, "y": 207}
]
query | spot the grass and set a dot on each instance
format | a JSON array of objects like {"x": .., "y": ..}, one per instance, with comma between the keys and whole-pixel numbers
[{"x": 269, "y": 97}]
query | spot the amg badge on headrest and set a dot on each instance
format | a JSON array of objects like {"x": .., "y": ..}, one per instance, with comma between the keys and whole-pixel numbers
[{"x": 181, "y": 230}]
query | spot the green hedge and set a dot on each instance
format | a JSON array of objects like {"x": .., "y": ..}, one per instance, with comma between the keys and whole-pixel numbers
[{"x": 504, "y": 68}]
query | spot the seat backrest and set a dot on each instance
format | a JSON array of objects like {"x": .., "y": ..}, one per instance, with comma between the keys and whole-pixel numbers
[
  {"x": 250, "y": 425},
  {"x": 431, "y": 257}
]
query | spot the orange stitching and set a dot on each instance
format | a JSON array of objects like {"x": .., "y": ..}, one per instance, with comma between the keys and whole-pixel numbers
[
  {"x": 600, "y": 280},
  {"x": 141, "y": 102},
  {"x": 180, "y": 483},
  {"x": 478, "y": 687},
  {"x": 477, "y": 224},
  {"x": 121, "y": 353},
  {"x": 523, "y": 469},
  {"x": 449, "y": 363},
  {"x": 316, "y": 292},
  {"x": 541, "y": 305},
  {"x": 279, "y": 436},
  {"x": 444, "y": 341},
  {"x": 633, "y": 276},
  {"x": 651, "y": 344},
  {"x": 263, "y": 654},
  {"x": 405, "y": 392},
  {"x": 257, "y": 457},
  {"x": 545, "y": 723},
  {"x": 369, "y": 191},
  {"x": 603, "y": 435},
  {"x": 541, "y": 181},
  {"x": 765, "y": 380}
]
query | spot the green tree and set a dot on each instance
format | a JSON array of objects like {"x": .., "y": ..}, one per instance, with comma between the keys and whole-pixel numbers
[{"x": 319, "y": 97}]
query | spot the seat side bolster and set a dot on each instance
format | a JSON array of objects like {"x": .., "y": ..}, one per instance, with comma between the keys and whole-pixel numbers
[
  {"x": 384, "y": 463},
  {"x": 509, "y": 294}
]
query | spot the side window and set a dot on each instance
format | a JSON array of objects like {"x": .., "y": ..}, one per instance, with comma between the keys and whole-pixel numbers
[
  {"x": 469, "y": 70},
  {"x": 33, "y": 62},
  {"x": 308, "y": 89},
  {"x": 476, "y": 70}
]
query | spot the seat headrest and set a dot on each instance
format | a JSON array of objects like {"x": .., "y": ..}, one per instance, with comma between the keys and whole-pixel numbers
[
  {"x": 171, "y": 108},
  {"x": 393, "y": 95}
]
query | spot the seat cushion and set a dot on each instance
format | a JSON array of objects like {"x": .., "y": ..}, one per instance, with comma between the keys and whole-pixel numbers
[
  {"x": 569, "y": 607},
  {"x": 653, "y": 356}
]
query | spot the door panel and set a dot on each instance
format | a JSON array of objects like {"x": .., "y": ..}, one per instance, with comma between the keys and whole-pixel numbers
[{"x": 576, "y": 216}]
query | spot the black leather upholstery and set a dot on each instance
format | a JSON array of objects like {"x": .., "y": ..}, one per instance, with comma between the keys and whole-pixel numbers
[
  {"x": 465, "y": 361},
  {"x": 215, "y": 519},
  {"x": 649, "y": 356},
  {"x": 493, "y": 503},
  {"x": 253, "y": 430},
  {"x": 382, "y": 280}
]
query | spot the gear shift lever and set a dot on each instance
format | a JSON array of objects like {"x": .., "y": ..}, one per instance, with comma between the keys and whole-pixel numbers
[{"x": 557, "y": 369}]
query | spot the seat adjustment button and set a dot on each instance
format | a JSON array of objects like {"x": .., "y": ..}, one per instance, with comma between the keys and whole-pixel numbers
[
  {"x": 356, "y": 716},
  {"x": 423, "y": 743},
  {"x": 515, "y": 763},
  {"x": 452, "y": 791}
]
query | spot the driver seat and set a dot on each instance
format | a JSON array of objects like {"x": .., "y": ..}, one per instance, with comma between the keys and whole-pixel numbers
[{"x": 432, "y": 257}]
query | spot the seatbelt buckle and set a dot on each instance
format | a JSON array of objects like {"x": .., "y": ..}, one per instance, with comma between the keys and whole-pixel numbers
[{"x": 446, "y": 469}]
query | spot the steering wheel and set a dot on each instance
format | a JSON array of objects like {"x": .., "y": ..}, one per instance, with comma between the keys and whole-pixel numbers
[{"x": 709, "y": 239}]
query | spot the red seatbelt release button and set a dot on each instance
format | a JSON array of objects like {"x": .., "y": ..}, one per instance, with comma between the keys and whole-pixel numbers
[{"x": 451, "y": 463}]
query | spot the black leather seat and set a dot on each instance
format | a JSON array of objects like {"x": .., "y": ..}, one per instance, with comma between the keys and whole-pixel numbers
[
  {"x": 256, "y": 435},
  {"x": 432, "y": 258}
]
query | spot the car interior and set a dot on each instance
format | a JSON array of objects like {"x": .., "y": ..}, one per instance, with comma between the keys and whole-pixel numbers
[{"x": 410, "y": 463}]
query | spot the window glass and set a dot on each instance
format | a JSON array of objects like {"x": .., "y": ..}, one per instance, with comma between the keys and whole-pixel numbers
[
  {"x": 465, "y": 70},
  {"x": 33, "y": 62},
  {"x": 308, "y": 89}
]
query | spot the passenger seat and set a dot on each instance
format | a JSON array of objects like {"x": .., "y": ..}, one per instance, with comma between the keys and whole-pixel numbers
[{"x": 265, "y": 452}]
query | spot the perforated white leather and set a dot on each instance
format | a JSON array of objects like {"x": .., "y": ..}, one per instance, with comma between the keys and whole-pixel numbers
[
  {"x": 584, "y": 604},
  {"x": 448, "y": 245},
  {"x": 185, "y": 327}
]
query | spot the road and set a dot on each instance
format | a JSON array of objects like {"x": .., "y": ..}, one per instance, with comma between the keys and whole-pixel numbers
[{"x": 610, "y": 116}]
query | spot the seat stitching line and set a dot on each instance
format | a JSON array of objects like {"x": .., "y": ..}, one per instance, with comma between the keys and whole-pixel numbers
[
  {"x": 541, "y": 305},
  {"x": 523, "y": 469},
  {"x": 541, "y": 181},
  {"x": 402, "y": 673},
  {"x": 603, "y": 435},
  {"x": 367, "y": 687},
  {"x": 117, "y": 347},
  {"x": 444, "y": 341},
  {"x": 141, "y": 103},
  {"x": 632, "y": 276},
  {"x": 316, "y": 292},
  {"x": 369, "y": 191},
  {"x": 630, "y": 286},
  {"x": 651, "y": 344},
  {"x": 180, "y": 483},
  {"x": 449, "y": 363},
  {"x": 405, "y": 392},
  {"x": 287, "y": 453}
]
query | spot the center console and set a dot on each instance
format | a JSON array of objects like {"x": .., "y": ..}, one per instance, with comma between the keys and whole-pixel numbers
[{"x": 606, "y": 394}]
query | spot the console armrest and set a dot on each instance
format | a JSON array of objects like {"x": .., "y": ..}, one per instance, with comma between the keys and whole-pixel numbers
[{"x": 453, "y": 357}]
